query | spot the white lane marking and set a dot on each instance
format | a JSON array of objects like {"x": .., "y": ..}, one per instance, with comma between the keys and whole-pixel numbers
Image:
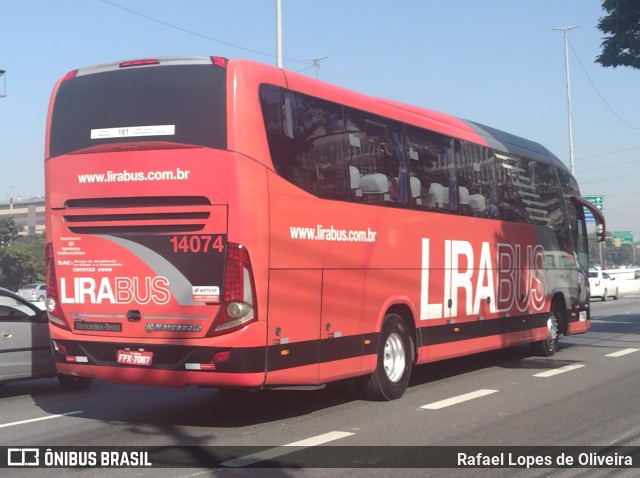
[
  {"x": 622, "y": 352},
  {"x": 285, "y": 449},
  {"x": 558, "y": 371},
  {"x": 459, "y": 399},
  {"x": 48, "y": 417}
]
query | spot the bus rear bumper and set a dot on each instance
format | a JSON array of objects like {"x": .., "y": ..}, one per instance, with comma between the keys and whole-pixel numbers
[
  {"x": 162, "y": 364},
  {"x": 164, "y": 378}
]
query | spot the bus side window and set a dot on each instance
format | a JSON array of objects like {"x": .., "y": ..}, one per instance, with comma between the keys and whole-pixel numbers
[
  {"x": 321, "y": 140},
  {"x": 428, "y": 173},
  {"x": 278, "y": 128},
  {"x": 547, "y": 208},
  {"x": 287, "y": 116},
  {"x": 307, "y": 141},
  {"x": 510, "y": 177},
  {"x": 474, "y": 168},
  {"x": 376, "y": 159},
  {"x": 573, "y": 238}
]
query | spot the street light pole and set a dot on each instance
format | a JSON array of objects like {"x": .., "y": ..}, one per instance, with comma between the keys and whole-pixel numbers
[{"x": 565, "y": 31}]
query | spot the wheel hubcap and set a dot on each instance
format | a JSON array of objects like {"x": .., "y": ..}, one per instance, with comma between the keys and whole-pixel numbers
[{"x": 394, "y": 358}]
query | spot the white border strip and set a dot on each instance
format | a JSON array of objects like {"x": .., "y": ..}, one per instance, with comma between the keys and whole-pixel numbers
[
  {"x": 558, "y": 371},
  {"x": 133, "y": 131},
  {"x": 459, "y": 399},
  {"x": 284, "y": 449},
  {"x": 622, "y": 352},
  {"x": 32, "y": 420}
]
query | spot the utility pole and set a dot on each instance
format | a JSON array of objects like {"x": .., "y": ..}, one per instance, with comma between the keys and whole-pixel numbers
[
  {"x": 278, "y": 34},
  {"x": 565, "y": 31},
  {"x": 316, "y": 63}
]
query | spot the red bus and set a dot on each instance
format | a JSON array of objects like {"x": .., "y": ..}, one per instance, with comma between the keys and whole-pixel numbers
[{"x": 231, "y": 224}]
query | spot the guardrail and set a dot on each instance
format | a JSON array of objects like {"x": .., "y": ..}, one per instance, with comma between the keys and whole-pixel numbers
[{"x": 622, "y": 274}]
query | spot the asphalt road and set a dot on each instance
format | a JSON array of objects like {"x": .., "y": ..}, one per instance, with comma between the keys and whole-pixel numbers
[{"x": 587, "y": 394}]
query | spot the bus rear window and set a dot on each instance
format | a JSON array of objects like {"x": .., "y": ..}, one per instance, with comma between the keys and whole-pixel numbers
[{"x": 181, "y": 104}]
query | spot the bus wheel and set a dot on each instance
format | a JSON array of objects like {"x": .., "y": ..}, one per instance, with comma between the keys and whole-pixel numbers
[
  {"x": 548, "y": 346},
  {"x": 74, "y": 382},
  {"x": 391, "y": 376}
]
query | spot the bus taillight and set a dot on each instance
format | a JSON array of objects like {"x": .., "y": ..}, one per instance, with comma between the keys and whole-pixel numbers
[
  {"x": 219, "y": 61},
  {"x": 56, "y": 316},
  {"x": 139, "y": 62},
  {"x": 237, "y": 308},
  {"x": 70, "y": 75}
]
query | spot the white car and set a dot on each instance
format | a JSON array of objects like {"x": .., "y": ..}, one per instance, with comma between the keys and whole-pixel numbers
[
  {"x": 33, "y": 292},
  {"x": 602, "y": 285}
]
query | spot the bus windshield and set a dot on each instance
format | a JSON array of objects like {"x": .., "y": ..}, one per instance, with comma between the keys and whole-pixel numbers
[{"x": 182, "y": 104}]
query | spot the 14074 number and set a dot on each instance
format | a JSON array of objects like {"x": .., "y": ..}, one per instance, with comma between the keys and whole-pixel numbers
[{"x": 194, "y": 243}]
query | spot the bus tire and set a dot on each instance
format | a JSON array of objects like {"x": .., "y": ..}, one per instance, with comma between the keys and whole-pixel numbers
[
  {"x": 549, "y": 345},
  {"x": 390, "y": 379},
  {"x": 74, "y": 382}
]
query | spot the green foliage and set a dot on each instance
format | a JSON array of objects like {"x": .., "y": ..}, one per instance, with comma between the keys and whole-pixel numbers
[
  {"x": 16, "y": 269},
  {"x": 622, "y": 24},
  {"x": 33, "y": 247},
  {"x": 9, "y": 232},
  {"x": 21, "y": 258},
  {"x": 607, "y": 255}
]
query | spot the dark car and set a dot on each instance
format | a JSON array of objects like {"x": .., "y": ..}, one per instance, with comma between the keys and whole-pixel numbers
[{"x": 25, "y": 347}]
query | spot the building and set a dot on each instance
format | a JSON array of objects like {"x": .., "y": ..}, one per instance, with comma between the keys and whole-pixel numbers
[{"x": 29, "y": 213}]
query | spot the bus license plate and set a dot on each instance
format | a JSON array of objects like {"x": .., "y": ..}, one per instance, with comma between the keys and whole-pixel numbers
[{"x": 135, "y": 357}]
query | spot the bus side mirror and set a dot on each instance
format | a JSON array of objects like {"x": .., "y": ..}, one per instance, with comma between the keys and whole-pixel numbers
[{"x": 601, "y": 229}]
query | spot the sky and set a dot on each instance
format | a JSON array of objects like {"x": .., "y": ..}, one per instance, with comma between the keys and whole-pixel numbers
[{"x": 497, "y": 62}]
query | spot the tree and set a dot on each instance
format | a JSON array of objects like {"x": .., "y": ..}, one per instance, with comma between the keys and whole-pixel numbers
[
  {"x": 21, "y": 258},
  {"x": 9, "y": 232},
  {"x": 16, "y": 269},
  {"x": 622, "y": 24},
  {"x": 33, "y": 247}
]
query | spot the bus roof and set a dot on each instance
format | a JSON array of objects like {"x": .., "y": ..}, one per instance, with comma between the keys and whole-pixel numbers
[{"x": 517, "y": 145}]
